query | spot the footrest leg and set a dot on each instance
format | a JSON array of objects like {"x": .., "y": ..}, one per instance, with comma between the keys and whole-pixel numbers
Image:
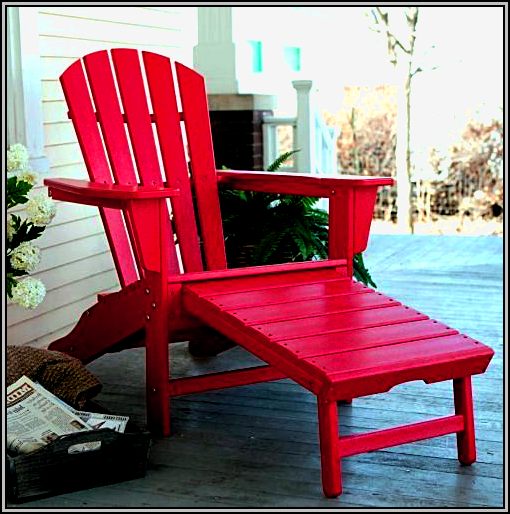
[
  {"x": 466, "y": 445},
  {"x": 330, "y": 456}
]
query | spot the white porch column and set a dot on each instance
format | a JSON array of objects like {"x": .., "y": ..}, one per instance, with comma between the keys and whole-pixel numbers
[
  {"x": 305, "y": 133},
  {"x": 215, "y": 55},
  {"x": 24, "y": 90}
]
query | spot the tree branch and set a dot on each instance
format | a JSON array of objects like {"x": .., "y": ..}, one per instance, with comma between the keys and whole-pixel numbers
[
  {"x": 404, "y": 49},
  {"x": 417, "y": 70},
  {"x": 391, "y": 37},
  {"x": 420, "y": 69}
]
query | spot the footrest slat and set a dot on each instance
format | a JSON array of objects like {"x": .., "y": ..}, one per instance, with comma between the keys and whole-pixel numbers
[{"x": 361, "y": 443}]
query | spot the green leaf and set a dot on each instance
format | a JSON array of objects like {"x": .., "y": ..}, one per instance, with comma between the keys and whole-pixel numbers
[
  {"x": 361, "y": 273},
  {"x": 276, "y": 164},
  {"x": 17, "y": 191},
  {"x": 23, "y": 231},
  {"x": 34, "y": 231},
  {"x": 10, "y": 283}
]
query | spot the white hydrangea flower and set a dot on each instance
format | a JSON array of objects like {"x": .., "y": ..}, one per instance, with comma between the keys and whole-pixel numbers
[
  {"x": 40, "y": 209},
  {"x": 10, "y": 228},
  {"x": 25, "y": 257},
  {"x": 29, "y": 293},
  {"x": 28, "y": 176},
  {"x": 17, "y": 157}
]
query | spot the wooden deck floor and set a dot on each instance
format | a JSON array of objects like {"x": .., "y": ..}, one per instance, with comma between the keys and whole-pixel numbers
[{"x": 257, "y": 446}]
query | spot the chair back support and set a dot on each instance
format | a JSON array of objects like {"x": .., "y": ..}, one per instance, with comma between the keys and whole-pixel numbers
[{"x": 124, "y": 108}]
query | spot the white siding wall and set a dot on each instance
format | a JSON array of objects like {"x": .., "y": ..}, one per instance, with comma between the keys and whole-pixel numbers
[{"x": 76, "y": 262}]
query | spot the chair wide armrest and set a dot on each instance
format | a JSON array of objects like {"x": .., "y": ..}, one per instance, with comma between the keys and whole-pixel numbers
[
  {"x": 351, "y": 201},
  {"x": 104, "y": 195},
  {"x": 297, "y": 183}
]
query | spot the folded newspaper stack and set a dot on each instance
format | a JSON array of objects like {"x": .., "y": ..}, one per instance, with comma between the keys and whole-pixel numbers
[{"x": 35, "y": 417}]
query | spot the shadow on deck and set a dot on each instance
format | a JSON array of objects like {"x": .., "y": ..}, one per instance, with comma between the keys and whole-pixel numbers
[{"x": 257, "y": 446}]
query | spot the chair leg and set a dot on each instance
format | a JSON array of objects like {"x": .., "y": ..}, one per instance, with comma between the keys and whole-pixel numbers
[
  {"x": 157, "y": 374},
  {"x": 466, "y": 445},
  {"x": 330, "y": 458}
]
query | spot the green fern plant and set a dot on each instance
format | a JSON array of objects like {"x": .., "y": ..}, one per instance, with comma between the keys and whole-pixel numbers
[{"x": 267, "y": 228}]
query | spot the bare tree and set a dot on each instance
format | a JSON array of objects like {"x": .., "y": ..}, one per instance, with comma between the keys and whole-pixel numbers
[
  {"x": 367, "y": 124},
  {"x": 401, "y": 53}
]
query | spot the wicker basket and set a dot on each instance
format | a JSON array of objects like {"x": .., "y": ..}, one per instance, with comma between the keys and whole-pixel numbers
[{"x": 53, "y": 470}]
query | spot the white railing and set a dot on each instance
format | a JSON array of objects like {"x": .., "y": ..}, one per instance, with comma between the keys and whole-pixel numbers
[
  {"x": 315, "y": 140},
  {"x": 325, "y": 147},
  {"x": 270, "y": 140}
]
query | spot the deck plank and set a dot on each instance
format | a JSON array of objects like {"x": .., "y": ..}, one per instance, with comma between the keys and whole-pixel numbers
[{"x": 257, "y": 446}]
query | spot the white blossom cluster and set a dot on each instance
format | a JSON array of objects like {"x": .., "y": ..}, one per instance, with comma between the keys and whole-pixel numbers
[
  {"x": 17, "y": 158},
  {"x": 10, "y": 228},
  {"x": 40, "y": 209},
  {"x": 24, "y": 257},
  {"x": 28, "y": 176},
  {"x": 29, "y": 293},
  {"x": 17, "y": 164}
]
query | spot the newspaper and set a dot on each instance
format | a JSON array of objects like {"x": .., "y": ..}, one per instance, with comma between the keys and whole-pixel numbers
[
  {"x": 35, "y": 417},
  {"x": 95, "y": 421},
  {"x": 98, "y": 420}
]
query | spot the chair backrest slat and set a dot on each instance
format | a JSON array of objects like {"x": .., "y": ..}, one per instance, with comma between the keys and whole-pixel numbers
[
  {"x": 111, "y": 121},
  {"x": 203, "y": 168},
  {"x": 110, "y": 117},
  {"x": 134, "y": 100},
  {"x": 83, "y": 117},
  {"x": 167, "y": 119},
  {"x": 124, "y": 107}
]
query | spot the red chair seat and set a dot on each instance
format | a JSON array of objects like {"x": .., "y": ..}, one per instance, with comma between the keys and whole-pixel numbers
[{"x": 334, "y": 332}]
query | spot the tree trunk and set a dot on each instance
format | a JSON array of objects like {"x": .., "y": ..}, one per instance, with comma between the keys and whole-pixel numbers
[
  {"x": 402, "y": 150},
  {"x": 408, "y": 148}
]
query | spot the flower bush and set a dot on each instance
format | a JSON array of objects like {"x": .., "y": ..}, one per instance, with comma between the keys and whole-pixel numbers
[{"x": 23, "y": 256}]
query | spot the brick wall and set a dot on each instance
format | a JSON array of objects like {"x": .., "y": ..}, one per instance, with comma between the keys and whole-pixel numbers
[{"x": 237, "y": 138}]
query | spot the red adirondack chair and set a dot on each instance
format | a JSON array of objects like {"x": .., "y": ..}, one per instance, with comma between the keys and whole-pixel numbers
[{"x": 310, "y": 322}]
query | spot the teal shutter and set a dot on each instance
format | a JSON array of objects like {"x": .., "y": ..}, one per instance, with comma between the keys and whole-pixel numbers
[
  {"x": 256, "y": 56},
  {"x": 292, "y": 56}
]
